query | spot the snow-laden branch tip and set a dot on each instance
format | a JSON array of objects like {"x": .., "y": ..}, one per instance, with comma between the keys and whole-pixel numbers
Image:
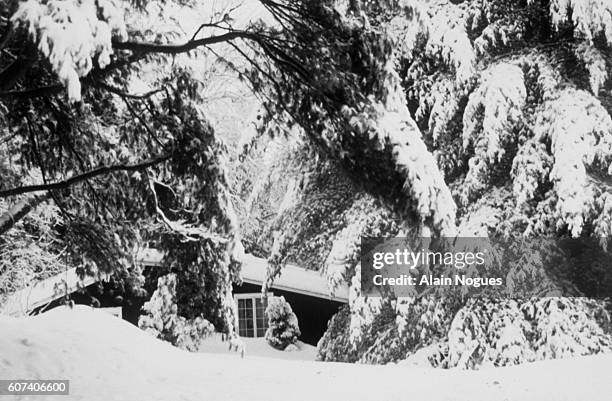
[{"x": 191, "y": 233}]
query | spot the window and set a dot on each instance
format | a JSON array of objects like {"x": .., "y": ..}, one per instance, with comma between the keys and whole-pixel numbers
[{"x": 252, "y": 320}]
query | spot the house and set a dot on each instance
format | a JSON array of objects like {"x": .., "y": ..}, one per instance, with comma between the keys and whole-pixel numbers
[{"x": 305, "y": 290}]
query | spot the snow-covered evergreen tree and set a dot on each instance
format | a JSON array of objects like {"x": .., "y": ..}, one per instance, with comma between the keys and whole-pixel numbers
[
  {"x": 116, "y": 137},
  {"x": 472, "y": 118},
  {"x": 283, "y": 328},
  {"x": 161, "y": 318}
]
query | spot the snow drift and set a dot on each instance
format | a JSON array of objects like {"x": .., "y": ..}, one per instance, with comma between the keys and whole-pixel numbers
[{"x": 108, "y": 359}]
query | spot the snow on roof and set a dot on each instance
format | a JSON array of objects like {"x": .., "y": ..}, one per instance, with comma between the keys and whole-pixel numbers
[
  {"x": 293, "y": 278},
  {"x": 46, "y": 291}
]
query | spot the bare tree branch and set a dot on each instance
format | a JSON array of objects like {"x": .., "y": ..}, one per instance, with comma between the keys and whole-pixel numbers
[
  {"x": 189, "y": 232},
  {"x": 209, "y": 25},
  {"x": 147, "y": 47},
  {"x": 82, "y": 177},
  {"x": 122, "y": 94},
  {"x": 35, "y": 92}
]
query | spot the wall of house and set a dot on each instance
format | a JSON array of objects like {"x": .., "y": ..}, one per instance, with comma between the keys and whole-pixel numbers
[{"x": 313, "y": 313}]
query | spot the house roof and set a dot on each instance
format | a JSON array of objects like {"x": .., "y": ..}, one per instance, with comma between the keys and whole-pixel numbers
[
  {"x": 46, "y": 291},
  {"x": 293, "y": 279}
]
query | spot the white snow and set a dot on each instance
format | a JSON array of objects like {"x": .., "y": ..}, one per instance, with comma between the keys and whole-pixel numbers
[
  {"x": 108, "y": 359},
  {"x": 258, "y": 347}
]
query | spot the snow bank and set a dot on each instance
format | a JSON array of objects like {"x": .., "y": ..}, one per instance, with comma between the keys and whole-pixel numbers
[
  {"x": 258, "y": 347},
  {"x": 108, "y": 359}
]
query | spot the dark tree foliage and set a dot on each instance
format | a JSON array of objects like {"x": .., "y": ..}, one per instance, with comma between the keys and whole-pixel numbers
[{"x": 125, "y": 170}]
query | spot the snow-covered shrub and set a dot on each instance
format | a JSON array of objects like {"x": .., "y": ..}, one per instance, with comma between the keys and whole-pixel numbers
[
  {"x": 404, "y": 326},
  {"x": 566, "y": 327},
  {"x": 162, "y": 321},
  {"x": 335, "y": 344},
  {"x": 488, "y": 332},
  {"x": 377, "y": 342},
  {"x": 510, "y": 332},
  {"x": 283, "y": 326},
  {"x": 432, "y": 355},
  {"x": 481, "y": 332},
  {"x": 392, "y": 334},
  {"x": 388, "y": 346},
  {"x": 375, "y": 338}
]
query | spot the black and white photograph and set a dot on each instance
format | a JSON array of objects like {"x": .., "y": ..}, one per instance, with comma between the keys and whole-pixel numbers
[{"x": 306, "y": 200}]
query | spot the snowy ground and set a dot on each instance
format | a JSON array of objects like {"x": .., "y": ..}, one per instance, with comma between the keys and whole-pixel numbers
[
  {"x": 108, "y": 359},
  {"x": 260, "y": 348}
]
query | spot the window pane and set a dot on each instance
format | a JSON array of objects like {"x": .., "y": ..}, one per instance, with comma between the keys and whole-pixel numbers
[
  {"x": 260, "y": 313},
  {"x": 242, "y": 330},
  {"x": 249, "y": 327},
  {"x": 260, "y": 309},
  {"x": 261, "y": 327}
]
